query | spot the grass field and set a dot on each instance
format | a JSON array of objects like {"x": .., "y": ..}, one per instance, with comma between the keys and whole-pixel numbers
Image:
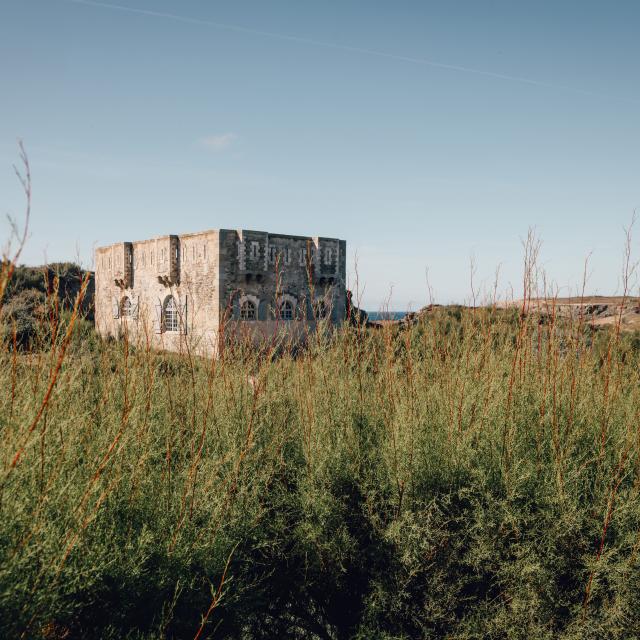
[{"x": 474, "y": 475}]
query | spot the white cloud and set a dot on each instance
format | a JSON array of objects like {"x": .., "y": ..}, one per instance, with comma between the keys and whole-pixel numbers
[{"x": 219, "y": 142}]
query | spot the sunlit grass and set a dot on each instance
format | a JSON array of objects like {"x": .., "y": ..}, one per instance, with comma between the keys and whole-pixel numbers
[{"x": 474, "y": 475}]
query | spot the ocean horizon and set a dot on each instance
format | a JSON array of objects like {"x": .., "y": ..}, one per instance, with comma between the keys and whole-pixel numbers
[{"x": 375, "y": 316}]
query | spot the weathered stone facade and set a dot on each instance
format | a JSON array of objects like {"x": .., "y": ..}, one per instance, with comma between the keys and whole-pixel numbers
[{"x": 196, "y": 290}]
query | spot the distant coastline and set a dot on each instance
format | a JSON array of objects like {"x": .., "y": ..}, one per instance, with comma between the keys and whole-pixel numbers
[{"x": 376, "y": 316}]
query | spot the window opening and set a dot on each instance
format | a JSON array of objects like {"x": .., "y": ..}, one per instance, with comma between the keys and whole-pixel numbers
[
  {"x": 286, "y": 310},
  {"x": 170, "y": 315},
  {"x": 248, "y": 310}
]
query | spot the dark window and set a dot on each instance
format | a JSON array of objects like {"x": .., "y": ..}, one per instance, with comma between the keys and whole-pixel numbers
[
  {"x": 248, "y": 310},
  {"x": 286, "y": 310}
]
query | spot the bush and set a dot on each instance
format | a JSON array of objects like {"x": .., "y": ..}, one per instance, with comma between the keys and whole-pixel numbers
[
  {"x": 21, "y": 317},
  {"x": 472, "y": 476},
  {"x": 36, "y": 298}
]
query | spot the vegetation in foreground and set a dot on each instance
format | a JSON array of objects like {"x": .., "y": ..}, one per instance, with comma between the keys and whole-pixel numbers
[{"x": 474, "y": 475}]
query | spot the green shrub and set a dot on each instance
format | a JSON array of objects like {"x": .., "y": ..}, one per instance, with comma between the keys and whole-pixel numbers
[
  {"x": 22, "y": 317},
  {"x": 472, "y": 476}
]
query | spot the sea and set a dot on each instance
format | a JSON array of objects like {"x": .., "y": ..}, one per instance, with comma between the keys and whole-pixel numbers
[{"x": 375, "y": 316}]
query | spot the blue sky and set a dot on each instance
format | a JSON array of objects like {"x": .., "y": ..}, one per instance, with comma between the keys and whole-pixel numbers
[{"x": 423, "y": 133}]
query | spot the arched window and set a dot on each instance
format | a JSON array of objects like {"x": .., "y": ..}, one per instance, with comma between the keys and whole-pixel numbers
[
  {"x": 170, "y": 314},
  {"x": 248, "y": 310},
  {"x": 286, "y": 310},
  {"x": 125, "y": 307}
]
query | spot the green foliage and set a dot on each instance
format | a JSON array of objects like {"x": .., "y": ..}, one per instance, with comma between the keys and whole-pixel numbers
[
  {"x": 472, "y": 476},
  {"x": 60, "y": 280},
  {"x": 21, "y": 317},
  {"x": 42, "y": 279},
  {"x": 36, "y": 298}
]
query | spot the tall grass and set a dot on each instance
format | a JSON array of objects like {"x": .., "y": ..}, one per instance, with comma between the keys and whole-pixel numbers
[{"x": 474, "y": 475}]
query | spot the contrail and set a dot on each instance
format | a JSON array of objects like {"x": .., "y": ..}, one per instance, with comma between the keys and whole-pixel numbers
[{"x": 344, "y": 47}]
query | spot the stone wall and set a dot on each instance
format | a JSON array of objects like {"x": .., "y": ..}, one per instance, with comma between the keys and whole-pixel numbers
[
  {"x": 210, "y": 274},
  {"x": 185, "y": 267},
  {"x": 271, "y": 268}
]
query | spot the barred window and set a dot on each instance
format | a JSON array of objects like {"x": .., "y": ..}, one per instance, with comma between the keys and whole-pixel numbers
[
  {"x": 170, "y": 314},
  {"x": 286, "y": 310},
  {"x": 248, "y": 310}
]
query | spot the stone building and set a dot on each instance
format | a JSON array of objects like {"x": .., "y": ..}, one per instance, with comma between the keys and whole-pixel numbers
[{"x": 197, "y": 290}]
